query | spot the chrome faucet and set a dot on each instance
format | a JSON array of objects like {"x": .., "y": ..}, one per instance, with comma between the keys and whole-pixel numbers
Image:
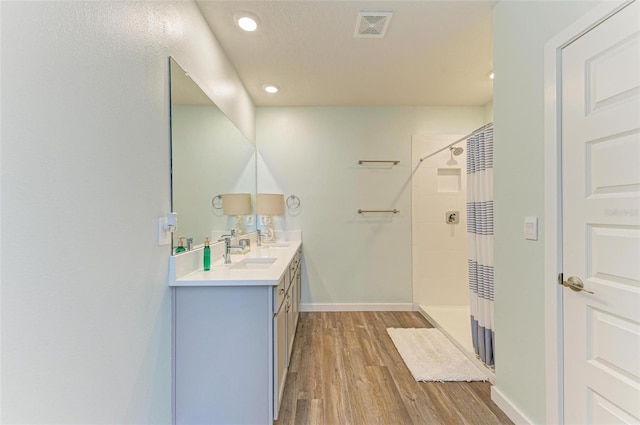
[
  {"x": 228, "y": 247},
  {"x": 259, "y": 237}
]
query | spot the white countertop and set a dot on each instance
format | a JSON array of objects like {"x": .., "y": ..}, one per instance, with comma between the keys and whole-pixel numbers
[{"x": 227, "y": 275}]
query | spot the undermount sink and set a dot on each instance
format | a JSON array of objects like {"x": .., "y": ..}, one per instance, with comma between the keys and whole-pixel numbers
[{"x": 255, "y": 263}]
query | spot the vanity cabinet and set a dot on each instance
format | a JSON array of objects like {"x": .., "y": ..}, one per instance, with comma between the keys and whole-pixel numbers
[
  {"x": 222, "y": 351},
  {"x": 280, "y": 351},
  {"x": 297, "y": 294},
  {"x": 232, "y": 342},
  {"x": 288, "y": 312},
  {"x": 293, "y": 303}
]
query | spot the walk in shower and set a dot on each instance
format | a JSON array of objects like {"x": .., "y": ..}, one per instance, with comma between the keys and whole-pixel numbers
[{"x": 440, "y": 251}]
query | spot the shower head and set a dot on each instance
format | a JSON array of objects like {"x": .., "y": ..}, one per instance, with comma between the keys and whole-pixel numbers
[{"x": 456, "y": 151}]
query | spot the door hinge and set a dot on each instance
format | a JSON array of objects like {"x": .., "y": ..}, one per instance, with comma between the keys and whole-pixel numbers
[{"x": 560, "y": 278}]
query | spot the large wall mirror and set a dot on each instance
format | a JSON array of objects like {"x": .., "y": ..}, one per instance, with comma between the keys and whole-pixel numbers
[{"x": 209, "y": 157}]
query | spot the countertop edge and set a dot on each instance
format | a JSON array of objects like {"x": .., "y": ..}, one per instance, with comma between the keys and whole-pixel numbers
[{"x": 197, "y": 278}]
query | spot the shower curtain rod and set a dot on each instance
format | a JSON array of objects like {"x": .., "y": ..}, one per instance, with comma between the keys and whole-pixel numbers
[{"x": 473, "y": 133}]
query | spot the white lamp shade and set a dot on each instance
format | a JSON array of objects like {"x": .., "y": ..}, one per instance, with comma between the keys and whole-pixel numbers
[
  {"x": 236, "y": 204},
  {"x": 270, "y": 204}
]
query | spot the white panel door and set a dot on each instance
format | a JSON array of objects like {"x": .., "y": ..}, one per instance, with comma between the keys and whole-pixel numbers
[{"x": 601, "y": 222}]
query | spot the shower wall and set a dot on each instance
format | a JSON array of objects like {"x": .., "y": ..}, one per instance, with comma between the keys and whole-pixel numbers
[{"x": 439, "y": 249}]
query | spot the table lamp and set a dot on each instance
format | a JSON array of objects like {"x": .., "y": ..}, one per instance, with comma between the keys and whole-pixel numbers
[
  {"x": 268, "y": 205},
  {"x": 238, "y": 205}
]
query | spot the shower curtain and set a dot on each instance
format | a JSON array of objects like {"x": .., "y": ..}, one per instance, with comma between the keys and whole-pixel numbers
[{"x": 480, "y": 241}]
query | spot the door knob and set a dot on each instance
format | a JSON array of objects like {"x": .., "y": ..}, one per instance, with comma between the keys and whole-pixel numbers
[{"x": 575, "y": 283}]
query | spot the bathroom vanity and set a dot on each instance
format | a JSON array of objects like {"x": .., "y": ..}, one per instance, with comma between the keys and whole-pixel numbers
[{"x": 233, "y": 333}]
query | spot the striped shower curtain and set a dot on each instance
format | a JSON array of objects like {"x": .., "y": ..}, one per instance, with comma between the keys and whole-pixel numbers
[{"x": 480, "y": 238}]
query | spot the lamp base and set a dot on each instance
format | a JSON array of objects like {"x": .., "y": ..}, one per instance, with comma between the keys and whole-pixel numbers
[
  {"x": 239, "y": 225},
  {"x": 269, "y": 233}
]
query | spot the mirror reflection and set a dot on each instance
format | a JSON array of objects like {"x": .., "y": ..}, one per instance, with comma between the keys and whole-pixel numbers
[{"x": 209, "y": 157}]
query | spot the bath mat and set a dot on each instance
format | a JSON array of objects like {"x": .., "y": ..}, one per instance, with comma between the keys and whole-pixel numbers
[{"x": 430, "y": 356}]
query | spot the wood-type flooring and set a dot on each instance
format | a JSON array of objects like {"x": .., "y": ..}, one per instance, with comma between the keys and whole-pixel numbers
[{"x": 346, "y": 370}]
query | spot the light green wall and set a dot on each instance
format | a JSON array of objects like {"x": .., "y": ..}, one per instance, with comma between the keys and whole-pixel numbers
[
  {"x": 86, "y": 310},
  {"x": 520, "y": 31},
  {"x": 313, "y": 152},
  {"x": 209, "y": 156}
]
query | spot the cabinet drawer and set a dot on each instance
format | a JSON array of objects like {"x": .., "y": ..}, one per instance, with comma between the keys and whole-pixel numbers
[{"x": 279, "y": 293}]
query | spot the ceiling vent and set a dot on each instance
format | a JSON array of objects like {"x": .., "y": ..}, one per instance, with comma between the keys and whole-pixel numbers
[{"x": 372, "y": 24}]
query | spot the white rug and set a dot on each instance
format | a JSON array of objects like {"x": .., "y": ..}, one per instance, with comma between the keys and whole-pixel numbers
[{"x": 430, "y": 356}]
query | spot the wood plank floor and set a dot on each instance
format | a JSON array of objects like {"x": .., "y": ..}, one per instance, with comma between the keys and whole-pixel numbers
[{"x": 346, "y": 370}]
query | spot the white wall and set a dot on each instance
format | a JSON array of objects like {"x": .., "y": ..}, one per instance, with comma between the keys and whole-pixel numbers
[
  {"x": 86, "y": 323},
  {"x": 440, "y": 272},
  {"x": 520, "y": 30},
  {"x": 313, "y": 152}
]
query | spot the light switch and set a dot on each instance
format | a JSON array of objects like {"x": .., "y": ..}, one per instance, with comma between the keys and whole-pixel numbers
[{"x": 531, "y": 228}]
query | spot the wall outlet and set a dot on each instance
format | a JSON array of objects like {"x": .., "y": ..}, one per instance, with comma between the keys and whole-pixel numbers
[{"x": 164, "y": 236}]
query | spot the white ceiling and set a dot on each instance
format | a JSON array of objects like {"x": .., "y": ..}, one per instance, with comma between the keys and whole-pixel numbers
[{"x": 433, "y": 53}]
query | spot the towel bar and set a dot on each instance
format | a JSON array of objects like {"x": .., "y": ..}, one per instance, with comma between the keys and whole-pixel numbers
[
  {"x": 395, "y": 211},
  {"x": 393, "y": 161}
]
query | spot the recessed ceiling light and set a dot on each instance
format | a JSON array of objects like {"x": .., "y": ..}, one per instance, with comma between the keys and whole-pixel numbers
[
  {"x": 271, "y": 88},
  {"x": 246, "y": 21},
  {"x": 247, "y": 24},
  {"x": 492, "y": 75}
]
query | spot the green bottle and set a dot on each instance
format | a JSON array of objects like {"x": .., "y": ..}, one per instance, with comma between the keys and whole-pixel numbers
[
  {"x": 180, "y": 247},
  {"x": 207, "y": 254}
]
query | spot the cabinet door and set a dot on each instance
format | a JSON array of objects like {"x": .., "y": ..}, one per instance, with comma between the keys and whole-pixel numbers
[
  {"x": 290, "y": 327},
  {"x": 279, "y": 357},
  {"x": 294, "y": 304},
  {"x": 298, "y": 298}
]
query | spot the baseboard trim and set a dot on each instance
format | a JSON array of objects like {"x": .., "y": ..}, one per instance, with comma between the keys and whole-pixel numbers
[
  {"x": 310, "y": 307},
  {"x": 508, "y": 408}
]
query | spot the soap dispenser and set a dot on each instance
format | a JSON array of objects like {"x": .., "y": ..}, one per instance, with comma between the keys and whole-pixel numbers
[
  {"x": 207, "y": 254},
  {"x": 180, "y": 247}
]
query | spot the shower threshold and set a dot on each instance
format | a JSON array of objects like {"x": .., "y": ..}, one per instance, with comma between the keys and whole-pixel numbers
[{"x": 455, "y": 323}]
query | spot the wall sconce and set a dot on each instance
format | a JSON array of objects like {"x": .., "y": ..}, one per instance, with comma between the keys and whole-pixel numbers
[
  {"x": 268, "y": 205},
  {"x": 238, "y": 205}
]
